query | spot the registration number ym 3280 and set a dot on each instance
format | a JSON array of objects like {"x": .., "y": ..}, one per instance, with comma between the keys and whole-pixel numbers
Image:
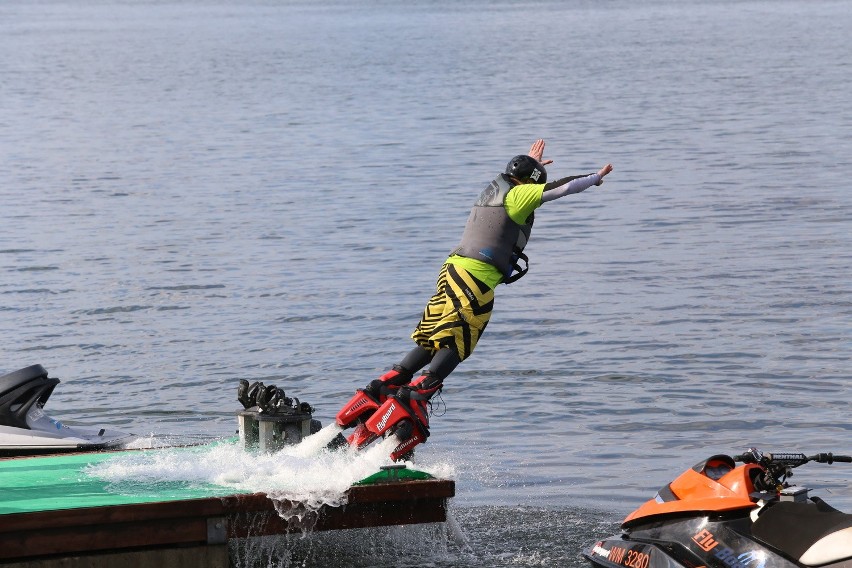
[{"x": 631, "y": 558}]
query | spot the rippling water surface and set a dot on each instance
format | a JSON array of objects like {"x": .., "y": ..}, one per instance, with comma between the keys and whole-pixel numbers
[{"x": 197, "y": 192}]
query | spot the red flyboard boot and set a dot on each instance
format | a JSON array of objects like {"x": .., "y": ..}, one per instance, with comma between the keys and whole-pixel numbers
[
  {"x": 366, "y": 401},
  {"x": 405, "y": 414}
]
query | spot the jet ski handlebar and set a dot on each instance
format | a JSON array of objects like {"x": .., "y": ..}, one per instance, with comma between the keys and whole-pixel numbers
[
  {"x": 777, "y": 467},
  {"x": 830, "y": 458},
  {"x": 753, "y": 455}
]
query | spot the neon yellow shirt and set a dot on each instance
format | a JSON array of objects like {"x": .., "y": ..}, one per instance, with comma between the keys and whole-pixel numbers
[{"x": 520, "y": 202}]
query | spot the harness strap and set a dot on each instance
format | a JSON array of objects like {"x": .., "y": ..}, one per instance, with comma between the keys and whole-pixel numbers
[{"x": 517, "y": 272}]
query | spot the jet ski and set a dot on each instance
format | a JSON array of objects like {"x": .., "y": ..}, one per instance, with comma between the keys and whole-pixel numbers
[
  {"x": 720, "y": 514},
  {"x": 25, "y": 429}
]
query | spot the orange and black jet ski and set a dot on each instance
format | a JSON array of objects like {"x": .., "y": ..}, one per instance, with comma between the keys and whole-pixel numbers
[{"x": 720, "y": 514}]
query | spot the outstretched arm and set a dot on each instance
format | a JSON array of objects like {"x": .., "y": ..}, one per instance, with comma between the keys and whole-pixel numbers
[{"x": 574, "y": 184}]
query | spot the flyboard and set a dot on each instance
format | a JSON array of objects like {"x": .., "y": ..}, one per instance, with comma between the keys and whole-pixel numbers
[{"x": 271, "y": 419}]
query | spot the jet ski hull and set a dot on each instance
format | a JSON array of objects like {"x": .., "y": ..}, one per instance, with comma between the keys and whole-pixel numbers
[
  {"x": 20, "y": 442},
  {"x": 678, "y": 543},
  {"x": 25, "y": 429},
  {"x": 718, "y": 514}
]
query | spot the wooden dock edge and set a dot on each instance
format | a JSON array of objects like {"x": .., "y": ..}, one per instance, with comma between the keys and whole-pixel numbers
[
  {"x": 147, "y": 531},
  {"x": 210, "y": 556}
]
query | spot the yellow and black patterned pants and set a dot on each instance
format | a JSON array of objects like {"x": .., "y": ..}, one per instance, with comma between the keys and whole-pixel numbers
[{"x": 457, "y": 314}]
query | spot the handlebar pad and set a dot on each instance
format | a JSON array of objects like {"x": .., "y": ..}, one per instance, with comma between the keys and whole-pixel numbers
[{"x": 789, "y": 459}]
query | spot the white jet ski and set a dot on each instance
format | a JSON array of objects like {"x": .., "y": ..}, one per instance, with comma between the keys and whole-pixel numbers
[{"x": 25, "y": 429}]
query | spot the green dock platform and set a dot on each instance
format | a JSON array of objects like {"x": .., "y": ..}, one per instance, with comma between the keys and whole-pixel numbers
[{"x": 52, "y": 513}]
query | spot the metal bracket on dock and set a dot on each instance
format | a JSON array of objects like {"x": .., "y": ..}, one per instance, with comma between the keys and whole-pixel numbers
[
  {"x": 217, "y": 530},
  {"x": 393, "y": 470},
  {"x": 271, "y": 432}
]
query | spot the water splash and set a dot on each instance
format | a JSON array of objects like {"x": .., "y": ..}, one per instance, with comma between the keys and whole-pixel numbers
[
  {"x": 314, "y": 443},
  {"x": 298, "y": 479},
  {"x": 406, "y": 545},
  {"x": 306, "y": 473}
]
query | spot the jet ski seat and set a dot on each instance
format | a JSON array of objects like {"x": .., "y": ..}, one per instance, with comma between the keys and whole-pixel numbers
[
  {"x": 20, "y": 390},
  {"x": 819, "y": 535}
]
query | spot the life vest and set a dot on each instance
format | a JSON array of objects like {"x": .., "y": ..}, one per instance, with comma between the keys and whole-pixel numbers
[{"x": 491, "y": 236}]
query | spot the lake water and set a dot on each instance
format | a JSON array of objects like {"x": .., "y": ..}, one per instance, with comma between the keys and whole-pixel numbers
[{"x": 198, "y": 192}]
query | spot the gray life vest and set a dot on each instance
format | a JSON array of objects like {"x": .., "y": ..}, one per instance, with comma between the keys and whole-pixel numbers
[{"x": 492, "y": 236}]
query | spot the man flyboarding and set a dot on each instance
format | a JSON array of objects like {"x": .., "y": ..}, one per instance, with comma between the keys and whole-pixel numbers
[{"x": 490, "y": 253}]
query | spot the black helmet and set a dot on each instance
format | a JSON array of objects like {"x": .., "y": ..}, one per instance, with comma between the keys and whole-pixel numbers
[{"x": 526, "y": 168}]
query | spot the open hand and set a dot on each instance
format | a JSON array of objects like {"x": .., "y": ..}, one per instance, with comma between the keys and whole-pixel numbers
[
  {"x": 537, "y": 152},
  {"x": 603, "y": 171}
]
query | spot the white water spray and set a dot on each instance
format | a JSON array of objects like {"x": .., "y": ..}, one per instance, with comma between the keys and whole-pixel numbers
[
  {"x": 298, "y": 479},
  {"x": 307, "y": 472},
  {"x": 314, "y": 443}
]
